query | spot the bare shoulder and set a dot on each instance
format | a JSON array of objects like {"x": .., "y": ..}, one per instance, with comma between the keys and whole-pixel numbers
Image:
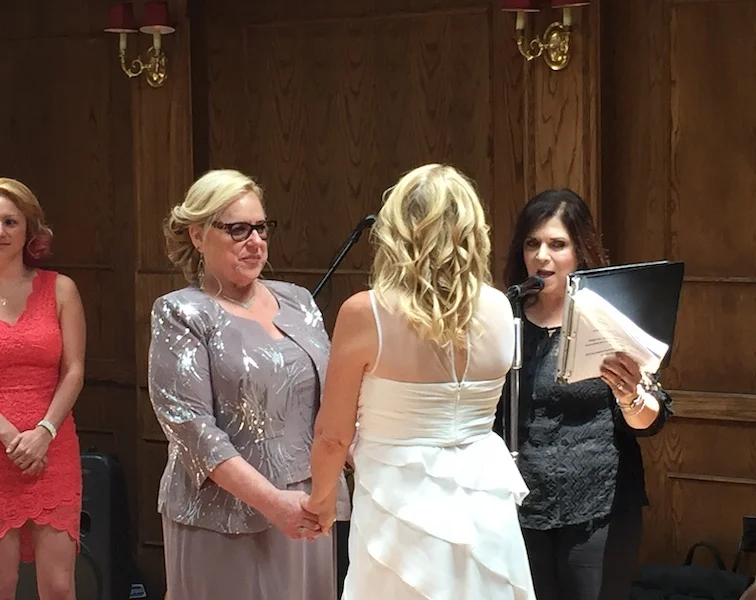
[
  {"x": 65, "y": 289},
  {"x": 355, "y": 314},
  {"x": 354, "y": 333},
  {"x": 495, "y": 302},
  {"x": 494, "y": 293},
  {"x": 494, "y": 296},
  {"x": 356, "y": 306}
]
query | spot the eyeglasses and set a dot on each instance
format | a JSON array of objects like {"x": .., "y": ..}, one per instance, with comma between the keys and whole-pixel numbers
[{"x": 241, "y": 231}]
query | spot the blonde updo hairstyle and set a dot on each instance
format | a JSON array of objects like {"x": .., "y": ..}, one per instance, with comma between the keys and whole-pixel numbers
[
  {"x": 205, "y": 201},
  {"x": 38, "y": 234},
  {"x": 432, "y": 253}
]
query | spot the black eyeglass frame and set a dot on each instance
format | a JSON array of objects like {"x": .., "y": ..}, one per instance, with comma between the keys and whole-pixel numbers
[{"x": 265, "y": 229}]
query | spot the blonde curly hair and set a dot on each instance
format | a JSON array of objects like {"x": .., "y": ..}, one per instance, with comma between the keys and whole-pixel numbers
[
  {"x": 432, "y": 252},
  {"x": 206, "y": 199}
]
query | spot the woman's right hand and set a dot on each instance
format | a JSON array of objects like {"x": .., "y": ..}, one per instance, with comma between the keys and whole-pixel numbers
[
  {"x": 326, "y": 511},
  {"x": 288, "y": 516},
  {"x": 37, "y": 466},
  {"x": 8, "y": 436}
]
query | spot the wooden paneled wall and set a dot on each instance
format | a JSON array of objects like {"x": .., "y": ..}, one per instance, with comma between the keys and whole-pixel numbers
[
  {"x": 328, "y": 103},
  {"x": 163, "y": 151},
  {"x": 106, "y": 156},
  {"x": 679, "y": 176},
  {"x": 65, "y": 126}
]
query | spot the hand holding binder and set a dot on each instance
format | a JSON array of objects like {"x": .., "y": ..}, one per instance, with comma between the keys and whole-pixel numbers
[{"x": 630, "y": 309}]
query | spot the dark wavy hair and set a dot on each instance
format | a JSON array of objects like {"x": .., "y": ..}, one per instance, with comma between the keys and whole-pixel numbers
[{"x": 577, "y": 220}]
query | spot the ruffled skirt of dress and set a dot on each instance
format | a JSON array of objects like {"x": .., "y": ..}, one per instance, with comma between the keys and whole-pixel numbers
[
  {"x": 52, "y": 498},
  {"x": 437, "y": 523}
]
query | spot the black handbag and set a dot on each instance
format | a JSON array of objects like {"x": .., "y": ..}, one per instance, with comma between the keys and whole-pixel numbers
[{"x": 689, "y": 581}]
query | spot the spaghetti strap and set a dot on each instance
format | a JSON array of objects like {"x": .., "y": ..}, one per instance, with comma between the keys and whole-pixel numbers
[{"x": 374, "y": 306}]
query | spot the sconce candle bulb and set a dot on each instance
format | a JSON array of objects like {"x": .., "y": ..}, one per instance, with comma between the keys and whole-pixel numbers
[{"x": 520, "y": 21}]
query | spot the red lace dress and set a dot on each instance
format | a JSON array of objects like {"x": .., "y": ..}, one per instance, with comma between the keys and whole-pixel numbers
[{"x": 30, "y": 352}]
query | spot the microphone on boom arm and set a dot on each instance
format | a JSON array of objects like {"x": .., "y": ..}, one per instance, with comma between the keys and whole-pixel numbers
[
  {"x": 353, "y": 238},
  {"x": 532, "y": 285}
]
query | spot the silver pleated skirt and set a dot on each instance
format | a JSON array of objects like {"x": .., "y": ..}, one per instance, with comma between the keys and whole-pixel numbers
[{"x": 207, "y": 565}]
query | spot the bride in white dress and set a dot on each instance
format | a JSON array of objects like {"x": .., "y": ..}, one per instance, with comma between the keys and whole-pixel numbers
[{"x": 420, "y": 361}]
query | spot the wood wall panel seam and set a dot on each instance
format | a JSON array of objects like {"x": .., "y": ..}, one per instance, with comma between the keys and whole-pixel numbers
[
  {"x": 706, "y": 478},
  {"x": 454, "y": 12}
]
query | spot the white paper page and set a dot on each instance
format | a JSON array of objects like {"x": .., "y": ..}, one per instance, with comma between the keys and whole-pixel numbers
[{"x": 601, "y": 331}]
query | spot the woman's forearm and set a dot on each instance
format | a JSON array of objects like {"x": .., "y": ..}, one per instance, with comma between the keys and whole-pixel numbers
[
  {"x": 7, "y": 431},
  {"x": 243, "y": 481},
  {"x": 646, "y": 416},
  {"x": 328, "y": 459},
  {"x": 69, "y": 387}
]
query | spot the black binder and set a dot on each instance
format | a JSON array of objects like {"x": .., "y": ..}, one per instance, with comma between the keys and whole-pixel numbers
[{"x": 647, "y": 293}]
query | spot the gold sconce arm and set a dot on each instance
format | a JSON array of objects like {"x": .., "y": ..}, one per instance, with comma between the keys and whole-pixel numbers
[
  {"x": 154, "y": 68},
  {"x": 530, "y": 50},
  {"x": 553, "y": 46}
]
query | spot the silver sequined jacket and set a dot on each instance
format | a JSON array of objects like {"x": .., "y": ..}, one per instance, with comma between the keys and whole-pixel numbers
[{"x": 221, "y": 387}]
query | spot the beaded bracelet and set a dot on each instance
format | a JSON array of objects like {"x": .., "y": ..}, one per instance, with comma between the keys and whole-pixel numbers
[
  {"x": 634, "y": 408},
  {"x": 45, "y": 424}
]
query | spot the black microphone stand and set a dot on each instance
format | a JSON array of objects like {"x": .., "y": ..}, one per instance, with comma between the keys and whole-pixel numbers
[
  {"x": 517, "y": 294},
  {"x": 514, "y": 381},
  {"x": 351, "y": 241}
]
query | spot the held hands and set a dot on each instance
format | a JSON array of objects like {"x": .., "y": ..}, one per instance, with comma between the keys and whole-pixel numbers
[
  {"x": 28, "y": 450},
  {"x": 325, "y": 513},
  {"x": 622, "y": 374},
  {"x": 289, "y": 516}
]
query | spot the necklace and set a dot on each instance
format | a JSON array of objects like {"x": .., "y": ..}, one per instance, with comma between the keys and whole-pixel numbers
[
  {"x": 243, "y": 303},
  {"x": 4, "y": 300}
]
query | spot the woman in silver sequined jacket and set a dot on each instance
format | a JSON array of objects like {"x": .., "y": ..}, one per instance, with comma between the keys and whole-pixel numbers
[{"x": 235, "y": 376}]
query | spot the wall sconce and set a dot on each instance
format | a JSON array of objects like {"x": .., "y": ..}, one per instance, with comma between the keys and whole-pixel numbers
[
  {"x": 155, "y": 21},
  {"x": 554, "y": 45}
]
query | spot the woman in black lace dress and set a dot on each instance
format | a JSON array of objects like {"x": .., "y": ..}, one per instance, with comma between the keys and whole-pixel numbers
[{"x": 578, "y": 449}]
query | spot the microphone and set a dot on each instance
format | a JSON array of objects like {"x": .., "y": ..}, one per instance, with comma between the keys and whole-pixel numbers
[
  {"x": 353, "y": 238},
  {"x": 367, "y": 221},
  {"x": 532, "y": 285}
]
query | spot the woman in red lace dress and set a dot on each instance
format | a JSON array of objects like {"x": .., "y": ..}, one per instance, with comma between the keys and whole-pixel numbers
[{"x": 42, "y": 335}]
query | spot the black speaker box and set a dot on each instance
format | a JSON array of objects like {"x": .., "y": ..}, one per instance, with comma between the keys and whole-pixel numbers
[{"x": 104, "y": 570}]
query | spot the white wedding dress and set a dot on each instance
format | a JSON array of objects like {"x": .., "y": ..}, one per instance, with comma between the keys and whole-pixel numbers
[{"x": 436, "y": 492}]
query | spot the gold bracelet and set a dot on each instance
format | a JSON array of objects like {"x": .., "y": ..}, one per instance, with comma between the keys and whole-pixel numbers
[{"x": 634, "y": 408}]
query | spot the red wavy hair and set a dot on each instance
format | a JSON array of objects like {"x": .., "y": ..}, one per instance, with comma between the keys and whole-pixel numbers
[{"x": 38, "y": 234}]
